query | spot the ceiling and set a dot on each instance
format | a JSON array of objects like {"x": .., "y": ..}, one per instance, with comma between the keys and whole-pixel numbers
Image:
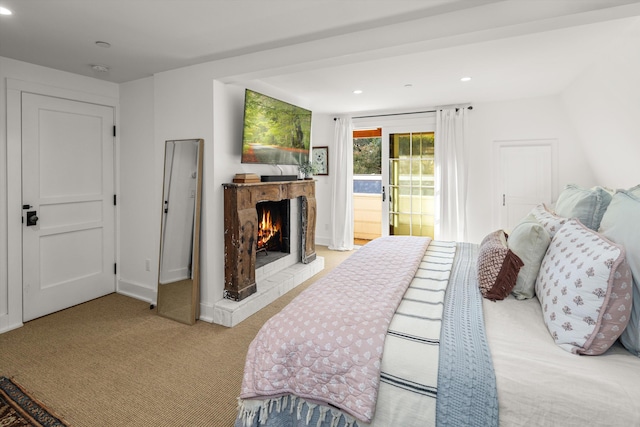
[{"x": 402, "y": 54}]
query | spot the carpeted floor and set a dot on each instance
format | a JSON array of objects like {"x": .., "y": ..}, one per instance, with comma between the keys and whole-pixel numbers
[{"x": 114, "y": 362}]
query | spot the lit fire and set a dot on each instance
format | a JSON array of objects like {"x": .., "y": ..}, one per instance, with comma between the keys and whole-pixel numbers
[{"x": 267, "y": 229}]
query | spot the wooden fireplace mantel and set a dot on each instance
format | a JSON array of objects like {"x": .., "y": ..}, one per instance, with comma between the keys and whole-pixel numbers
[{"x": 241, "y": 229}]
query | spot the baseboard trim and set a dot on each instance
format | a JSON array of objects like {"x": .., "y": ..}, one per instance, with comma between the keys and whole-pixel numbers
[
  {"x": 323, "y": 241},
  {"x": 137, "y": 291},
  {"x": 9, "y": 325},
  {"x": 206, "y": 312}
]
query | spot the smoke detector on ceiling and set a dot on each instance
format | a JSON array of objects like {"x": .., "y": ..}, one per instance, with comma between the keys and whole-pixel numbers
[{"x": 100, "y": 68}]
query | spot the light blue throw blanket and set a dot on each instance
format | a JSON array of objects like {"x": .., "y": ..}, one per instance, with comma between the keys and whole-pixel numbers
[{"x": 467, "y": 394}]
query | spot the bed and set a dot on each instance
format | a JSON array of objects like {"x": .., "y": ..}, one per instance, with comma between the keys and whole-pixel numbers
[{"x": 536, "y": 327}]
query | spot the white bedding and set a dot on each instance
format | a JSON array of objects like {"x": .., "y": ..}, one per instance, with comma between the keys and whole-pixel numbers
[{"x": 539, "y": 384}]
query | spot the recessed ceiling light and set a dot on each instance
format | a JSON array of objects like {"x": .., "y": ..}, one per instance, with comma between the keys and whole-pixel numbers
[
  {"x": 100, "y": 68},
  {"x": 103, "y": 44},
  {"x": 5, "y": 11},
  {"x": 357, "y": 91},
  {"x": 465, "y": 79}
]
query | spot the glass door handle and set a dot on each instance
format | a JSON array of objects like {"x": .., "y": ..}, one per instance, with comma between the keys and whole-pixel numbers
[{"x": 383, "y": 194}]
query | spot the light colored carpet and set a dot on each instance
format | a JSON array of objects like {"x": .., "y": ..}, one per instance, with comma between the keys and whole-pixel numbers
[{"x": 114, "y": 362}]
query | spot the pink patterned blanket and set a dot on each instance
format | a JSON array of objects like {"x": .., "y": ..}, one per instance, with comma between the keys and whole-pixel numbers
[{"x": 326, "y": 345}]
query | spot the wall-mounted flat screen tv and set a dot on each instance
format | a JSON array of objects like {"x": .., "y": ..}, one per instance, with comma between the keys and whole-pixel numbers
[{"x": 275, "y": 132}]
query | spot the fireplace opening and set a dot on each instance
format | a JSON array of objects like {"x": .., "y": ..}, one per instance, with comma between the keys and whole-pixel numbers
[{"x": 273, "y": 231}]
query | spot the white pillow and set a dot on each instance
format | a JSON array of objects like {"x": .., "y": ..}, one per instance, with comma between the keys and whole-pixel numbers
[
  {"x": 621, "y": 224},
  {"x": 585, "y": 290},
  {"x": 550, "y": 221}
]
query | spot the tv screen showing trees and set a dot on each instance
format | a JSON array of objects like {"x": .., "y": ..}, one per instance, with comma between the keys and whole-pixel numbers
[{"x": 275, "y": 132}]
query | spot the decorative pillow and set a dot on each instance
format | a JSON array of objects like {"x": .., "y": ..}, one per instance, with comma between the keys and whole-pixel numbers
[
  {"x": 621, "y": 224},
  {"x": 585, "y": 290},
  {"x": 550, "y": 221},
  {"x": 588, "y": 205},
  {"x": 529, "y": 241},
  {"x": 497, "y": 267}
]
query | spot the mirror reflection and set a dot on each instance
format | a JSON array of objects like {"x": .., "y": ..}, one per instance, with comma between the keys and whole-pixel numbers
[{"x": 178, "y": 275}]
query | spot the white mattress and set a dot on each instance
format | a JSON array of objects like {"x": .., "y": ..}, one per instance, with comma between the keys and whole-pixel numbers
[{"x": 539, "y": 384}]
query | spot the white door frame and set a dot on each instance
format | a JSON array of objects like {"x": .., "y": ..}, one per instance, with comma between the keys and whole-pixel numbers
[
  {"x": 15, "y": 88},
  {"x": 496, "y": 181}
]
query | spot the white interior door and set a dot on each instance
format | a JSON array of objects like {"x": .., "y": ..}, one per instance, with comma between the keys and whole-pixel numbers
[
  {"x": 526, "y": 179},
  {"x": 68, "y": 186}
]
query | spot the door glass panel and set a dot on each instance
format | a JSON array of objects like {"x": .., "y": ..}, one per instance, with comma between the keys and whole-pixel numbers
[
  {"x": 402, "y": 224},
  {"x": 367, "y": 185},
  {"x": 411, "y": 183}
]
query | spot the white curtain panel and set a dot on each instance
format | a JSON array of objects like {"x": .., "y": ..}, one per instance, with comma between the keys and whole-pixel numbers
[
  {"x": 451, "y": 174},
  {"x": 342, "y": 186}
]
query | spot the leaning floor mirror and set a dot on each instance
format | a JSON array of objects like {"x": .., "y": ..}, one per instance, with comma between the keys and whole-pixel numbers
[{"x": 179, "y": 275}]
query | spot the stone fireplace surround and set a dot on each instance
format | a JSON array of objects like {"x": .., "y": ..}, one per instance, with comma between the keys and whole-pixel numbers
[{"x": 248, "y": 289}]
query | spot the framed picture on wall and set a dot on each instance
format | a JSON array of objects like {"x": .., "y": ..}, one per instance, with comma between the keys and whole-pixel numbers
[{"x": 320, "y": 159}]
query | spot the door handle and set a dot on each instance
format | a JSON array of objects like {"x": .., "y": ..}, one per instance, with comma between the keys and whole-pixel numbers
[
  {"x": 384, "y": 196},
  {"x": 32, "y": 218}
]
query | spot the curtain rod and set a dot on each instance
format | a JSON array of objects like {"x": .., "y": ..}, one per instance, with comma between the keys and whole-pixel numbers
[{"x": 401, "y": 114}]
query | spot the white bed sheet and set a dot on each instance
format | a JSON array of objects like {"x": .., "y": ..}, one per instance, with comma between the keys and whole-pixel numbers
[{"x": 539, "y": 384}]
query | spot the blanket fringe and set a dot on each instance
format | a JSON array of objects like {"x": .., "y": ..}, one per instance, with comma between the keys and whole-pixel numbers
[{"x": 248, "y": 409}]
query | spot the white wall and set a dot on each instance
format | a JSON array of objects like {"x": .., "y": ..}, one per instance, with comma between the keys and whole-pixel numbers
[
  {"x": 16, "y": 76},
  {"x": 139, "y": 210},
  {"x": 322, "y": 134},
  {"x": 183, "y": 109},
  {"x": 527, "y": 119},
  {"x": 604, "y": 107}
]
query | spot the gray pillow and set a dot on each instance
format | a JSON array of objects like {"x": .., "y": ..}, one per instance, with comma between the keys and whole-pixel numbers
[
  {"x": 621, "y": 224},
  {"x": 586, "y": 204},
  {"x": 529, "y": 241}
]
